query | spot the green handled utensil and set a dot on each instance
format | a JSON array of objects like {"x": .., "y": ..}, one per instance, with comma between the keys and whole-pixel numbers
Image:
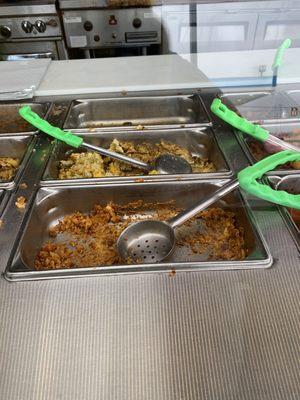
[
  {"x": 242, "y": 124},
  {"x": 165, "y": 164},
  {"x": 278, "y": 59},
  {"x": 152, "y": 240}
]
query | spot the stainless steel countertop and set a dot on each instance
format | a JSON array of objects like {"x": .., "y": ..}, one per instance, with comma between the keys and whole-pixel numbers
[{"x": 197, "y": 335}]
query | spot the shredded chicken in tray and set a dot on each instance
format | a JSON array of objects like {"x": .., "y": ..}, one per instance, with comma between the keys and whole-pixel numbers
[
  {"x": 87, "y": 240},
  {"x": 8, "y": 168},
  {"x": 93, "y": 165}
]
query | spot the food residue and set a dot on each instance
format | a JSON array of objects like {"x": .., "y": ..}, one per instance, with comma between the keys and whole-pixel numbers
[
  {"x": 89, "y": 240},
  {"x": 172, "y": 273},
  {"x": 23, "y": 185},
  {"x": 21, "y": 202},
  {"x": 8, "y": 168}
]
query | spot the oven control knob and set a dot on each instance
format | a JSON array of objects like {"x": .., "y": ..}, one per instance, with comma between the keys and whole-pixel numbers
[
  {"x": 5, "y": 31},
  {"x": 137, "y": 22},
  {"x": 88, "y": 26},
  {"x": 40, "y": 26},
  {"x": 27, "y": 26}
]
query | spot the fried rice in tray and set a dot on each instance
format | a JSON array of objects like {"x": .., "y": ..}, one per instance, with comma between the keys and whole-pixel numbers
[{"x": 89, "y": 240}]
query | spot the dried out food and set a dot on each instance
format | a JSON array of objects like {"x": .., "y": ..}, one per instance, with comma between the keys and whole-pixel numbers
[
  {"x": 8, "y": 168},
  {"x": 89, "y": 240},
  {"x": 93, "y": 165},
  {"x": 21, "y": 202}
]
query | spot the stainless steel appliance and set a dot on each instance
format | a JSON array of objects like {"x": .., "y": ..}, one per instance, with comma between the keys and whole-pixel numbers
[
  {"x": 30, "y": 29},
  {"x": 93, "y": 25}
]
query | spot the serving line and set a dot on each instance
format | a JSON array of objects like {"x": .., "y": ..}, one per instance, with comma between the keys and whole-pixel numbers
[
  {"x": 39, "y": 160},
  {"x": 17, "y": 270},
  {"x": 197, "y": 325}
]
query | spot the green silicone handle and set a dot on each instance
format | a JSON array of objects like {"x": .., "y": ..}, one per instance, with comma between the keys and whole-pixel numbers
[
  {"x": 248, "y": 179},
  {"x": 229, "y": 116},
  {"x": 44, "y": 126},
  {"x": 279, "y": 53}
]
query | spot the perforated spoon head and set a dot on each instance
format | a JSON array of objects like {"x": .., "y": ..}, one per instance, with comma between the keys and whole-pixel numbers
[
  {"x": 171, "y": 164},
  {"x": 146, "y": 242}
]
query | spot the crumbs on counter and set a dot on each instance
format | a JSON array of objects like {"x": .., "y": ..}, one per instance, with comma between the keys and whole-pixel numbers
[
  {"x": 23, "y": 185},
  {"x": 172, "y": 273},
  {"x": 21, "y": 202}
]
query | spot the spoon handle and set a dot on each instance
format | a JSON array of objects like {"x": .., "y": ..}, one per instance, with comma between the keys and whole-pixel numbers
[
  {"x": 190, "y": 212},
  {"x": 118, "y": 156}
]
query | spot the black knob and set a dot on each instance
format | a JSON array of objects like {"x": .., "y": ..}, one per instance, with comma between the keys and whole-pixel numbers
[
  {"x": 5, "y": 31},
  {"x": 27, "y": 26},
  {"x": 52, "y": 22},
  {"x": 88, "y": 26},
  {"x": 40, "y": 26},
  {"x": 137, "y": 23}
]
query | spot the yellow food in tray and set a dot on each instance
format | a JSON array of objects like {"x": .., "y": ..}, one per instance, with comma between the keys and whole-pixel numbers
[
  {"x": 93, "y": 165},
  {"x": 8, "y": 167}
]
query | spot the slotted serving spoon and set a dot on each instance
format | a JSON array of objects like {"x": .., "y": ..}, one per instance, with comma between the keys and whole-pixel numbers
[
  {"x": 164, "y": 164},
  {"x": 152, "y": 241}
]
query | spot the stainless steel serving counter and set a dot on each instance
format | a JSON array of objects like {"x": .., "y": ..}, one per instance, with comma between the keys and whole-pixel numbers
[{"x": 189, "y": 335}]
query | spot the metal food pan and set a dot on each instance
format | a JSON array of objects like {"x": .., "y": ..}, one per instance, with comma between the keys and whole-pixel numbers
[
  {"x": 262, "y": 106},
  {"x": 199, "y": 141},
  {"x": 291, "y": 184},
  {"x": 52, "y": 203},
  {"x": 12, "y": 123},
  {"x": 16, "y": 147},
  {"x": 3, "y": 200},
  {"x": 289, "y": 130},
  {"x": 127, "y": 112},
  {"x": 295, "y": 96}
]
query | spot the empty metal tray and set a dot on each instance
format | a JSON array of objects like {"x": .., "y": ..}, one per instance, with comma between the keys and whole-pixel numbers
[
  {"x": 127, "y": 112},
  {"x": 19, "y": 147},
  {"x": 12, "y": 123},
  {"x": 290, "y": 184},
  {"x": 262, "y": 107},
  {"x": 199, "y": 142},
  {"x": 255, "y": 151},
  {"x": 53, "y": 203},
  {"x": 295, "y": 96}
]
